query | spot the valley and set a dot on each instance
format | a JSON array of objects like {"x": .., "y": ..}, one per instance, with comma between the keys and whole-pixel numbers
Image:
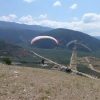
[
  {"x": 49, "y": 50},
  {"x": 75, "y": 62},
  {"x": 45, "y": 70}
]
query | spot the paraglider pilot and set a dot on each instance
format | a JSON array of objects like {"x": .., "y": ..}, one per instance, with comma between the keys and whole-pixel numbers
[{"x": 43, "y": 61}]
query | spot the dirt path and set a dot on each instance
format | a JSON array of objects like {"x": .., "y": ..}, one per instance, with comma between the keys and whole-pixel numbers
[
  {"x": 48, "y": 59},
  {"x": 73, "y": 61},
  {"x": 90, "y": 65},
  {"x": 73, "y": 70}
]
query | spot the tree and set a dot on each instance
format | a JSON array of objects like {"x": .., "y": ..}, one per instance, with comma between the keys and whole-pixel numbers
[{"x": 7, "y": 61}]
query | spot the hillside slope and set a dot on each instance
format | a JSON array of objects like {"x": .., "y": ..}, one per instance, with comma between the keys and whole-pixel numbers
[
  {"x": 21, "y": 83},
  {"x": 18, "y": 36},
  {"x": 66, "y": 36},
  {"x": 10, "y": 50}
]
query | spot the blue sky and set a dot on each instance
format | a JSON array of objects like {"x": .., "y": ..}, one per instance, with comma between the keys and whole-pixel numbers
[{"x": 80, "y": 15}]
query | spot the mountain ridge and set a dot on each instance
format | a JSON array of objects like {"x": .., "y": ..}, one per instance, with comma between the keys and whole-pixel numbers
[
  {"x": 17, "y": 36},
  {"x": 14, "y": 25},
  {"x": 64, "y": 36},
  {"x": 98, "y": 37},
  {"x": 11, "y": 32}
]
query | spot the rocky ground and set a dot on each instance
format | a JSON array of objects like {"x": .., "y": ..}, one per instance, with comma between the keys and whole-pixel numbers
[{"x": 25, "y": 83}]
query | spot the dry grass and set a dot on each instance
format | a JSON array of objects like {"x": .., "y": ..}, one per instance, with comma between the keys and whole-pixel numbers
[{"x": 24, "y": 83}]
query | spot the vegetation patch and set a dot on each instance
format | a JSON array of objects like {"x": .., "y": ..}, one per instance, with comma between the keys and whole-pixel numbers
[
  {"x": 7, "y": 61},
  {"x": 86, "y": 70}
]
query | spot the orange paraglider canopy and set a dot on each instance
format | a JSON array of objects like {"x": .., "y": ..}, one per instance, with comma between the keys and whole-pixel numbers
[{"x": 43, "y": 37}]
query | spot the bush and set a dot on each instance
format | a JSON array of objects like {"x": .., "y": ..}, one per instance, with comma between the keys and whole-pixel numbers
[{"x": 7, "y": 61}]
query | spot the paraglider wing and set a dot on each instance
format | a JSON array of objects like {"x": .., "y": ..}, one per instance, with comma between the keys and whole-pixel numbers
[{"x": 43, "y": 37}]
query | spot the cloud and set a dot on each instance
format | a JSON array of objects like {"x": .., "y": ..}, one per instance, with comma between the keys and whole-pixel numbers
[
  {"x": 91, "y": 17},
  {"x": 57, "y": 3},
  {"x": 13, "y": 16},
  {"x": 27, "y": 20},
  {"x": 29, "y": 1},
  {"x": 74, "y": 19},
  {"x": 43, "y": 16},
  {"x": 91, "y": 28},
  {"x": 4, "y": 18},
  {"x": 55, "y": 24},
  {"x": 74, "y": 6},
  {"x": 10, "y": 17}
]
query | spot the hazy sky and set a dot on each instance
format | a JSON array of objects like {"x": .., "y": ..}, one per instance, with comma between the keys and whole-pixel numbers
[{"x": 81, "y": 15}]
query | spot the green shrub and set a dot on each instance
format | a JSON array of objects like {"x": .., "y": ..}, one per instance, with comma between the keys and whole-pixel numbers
[{"x": 7, "y": 61}]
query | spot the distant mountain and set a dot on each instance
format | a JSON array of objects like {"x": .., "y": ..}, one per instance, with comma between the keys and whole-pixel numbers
[
  {"x": 22, "y": 34},
  {"x": 69, "y": 39},
  {"x": 9, "y": 50},
  {"x": 18, "y": 36},
  {"x": 98, "y": 37},
  {"x": 13, "y": 25}
]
